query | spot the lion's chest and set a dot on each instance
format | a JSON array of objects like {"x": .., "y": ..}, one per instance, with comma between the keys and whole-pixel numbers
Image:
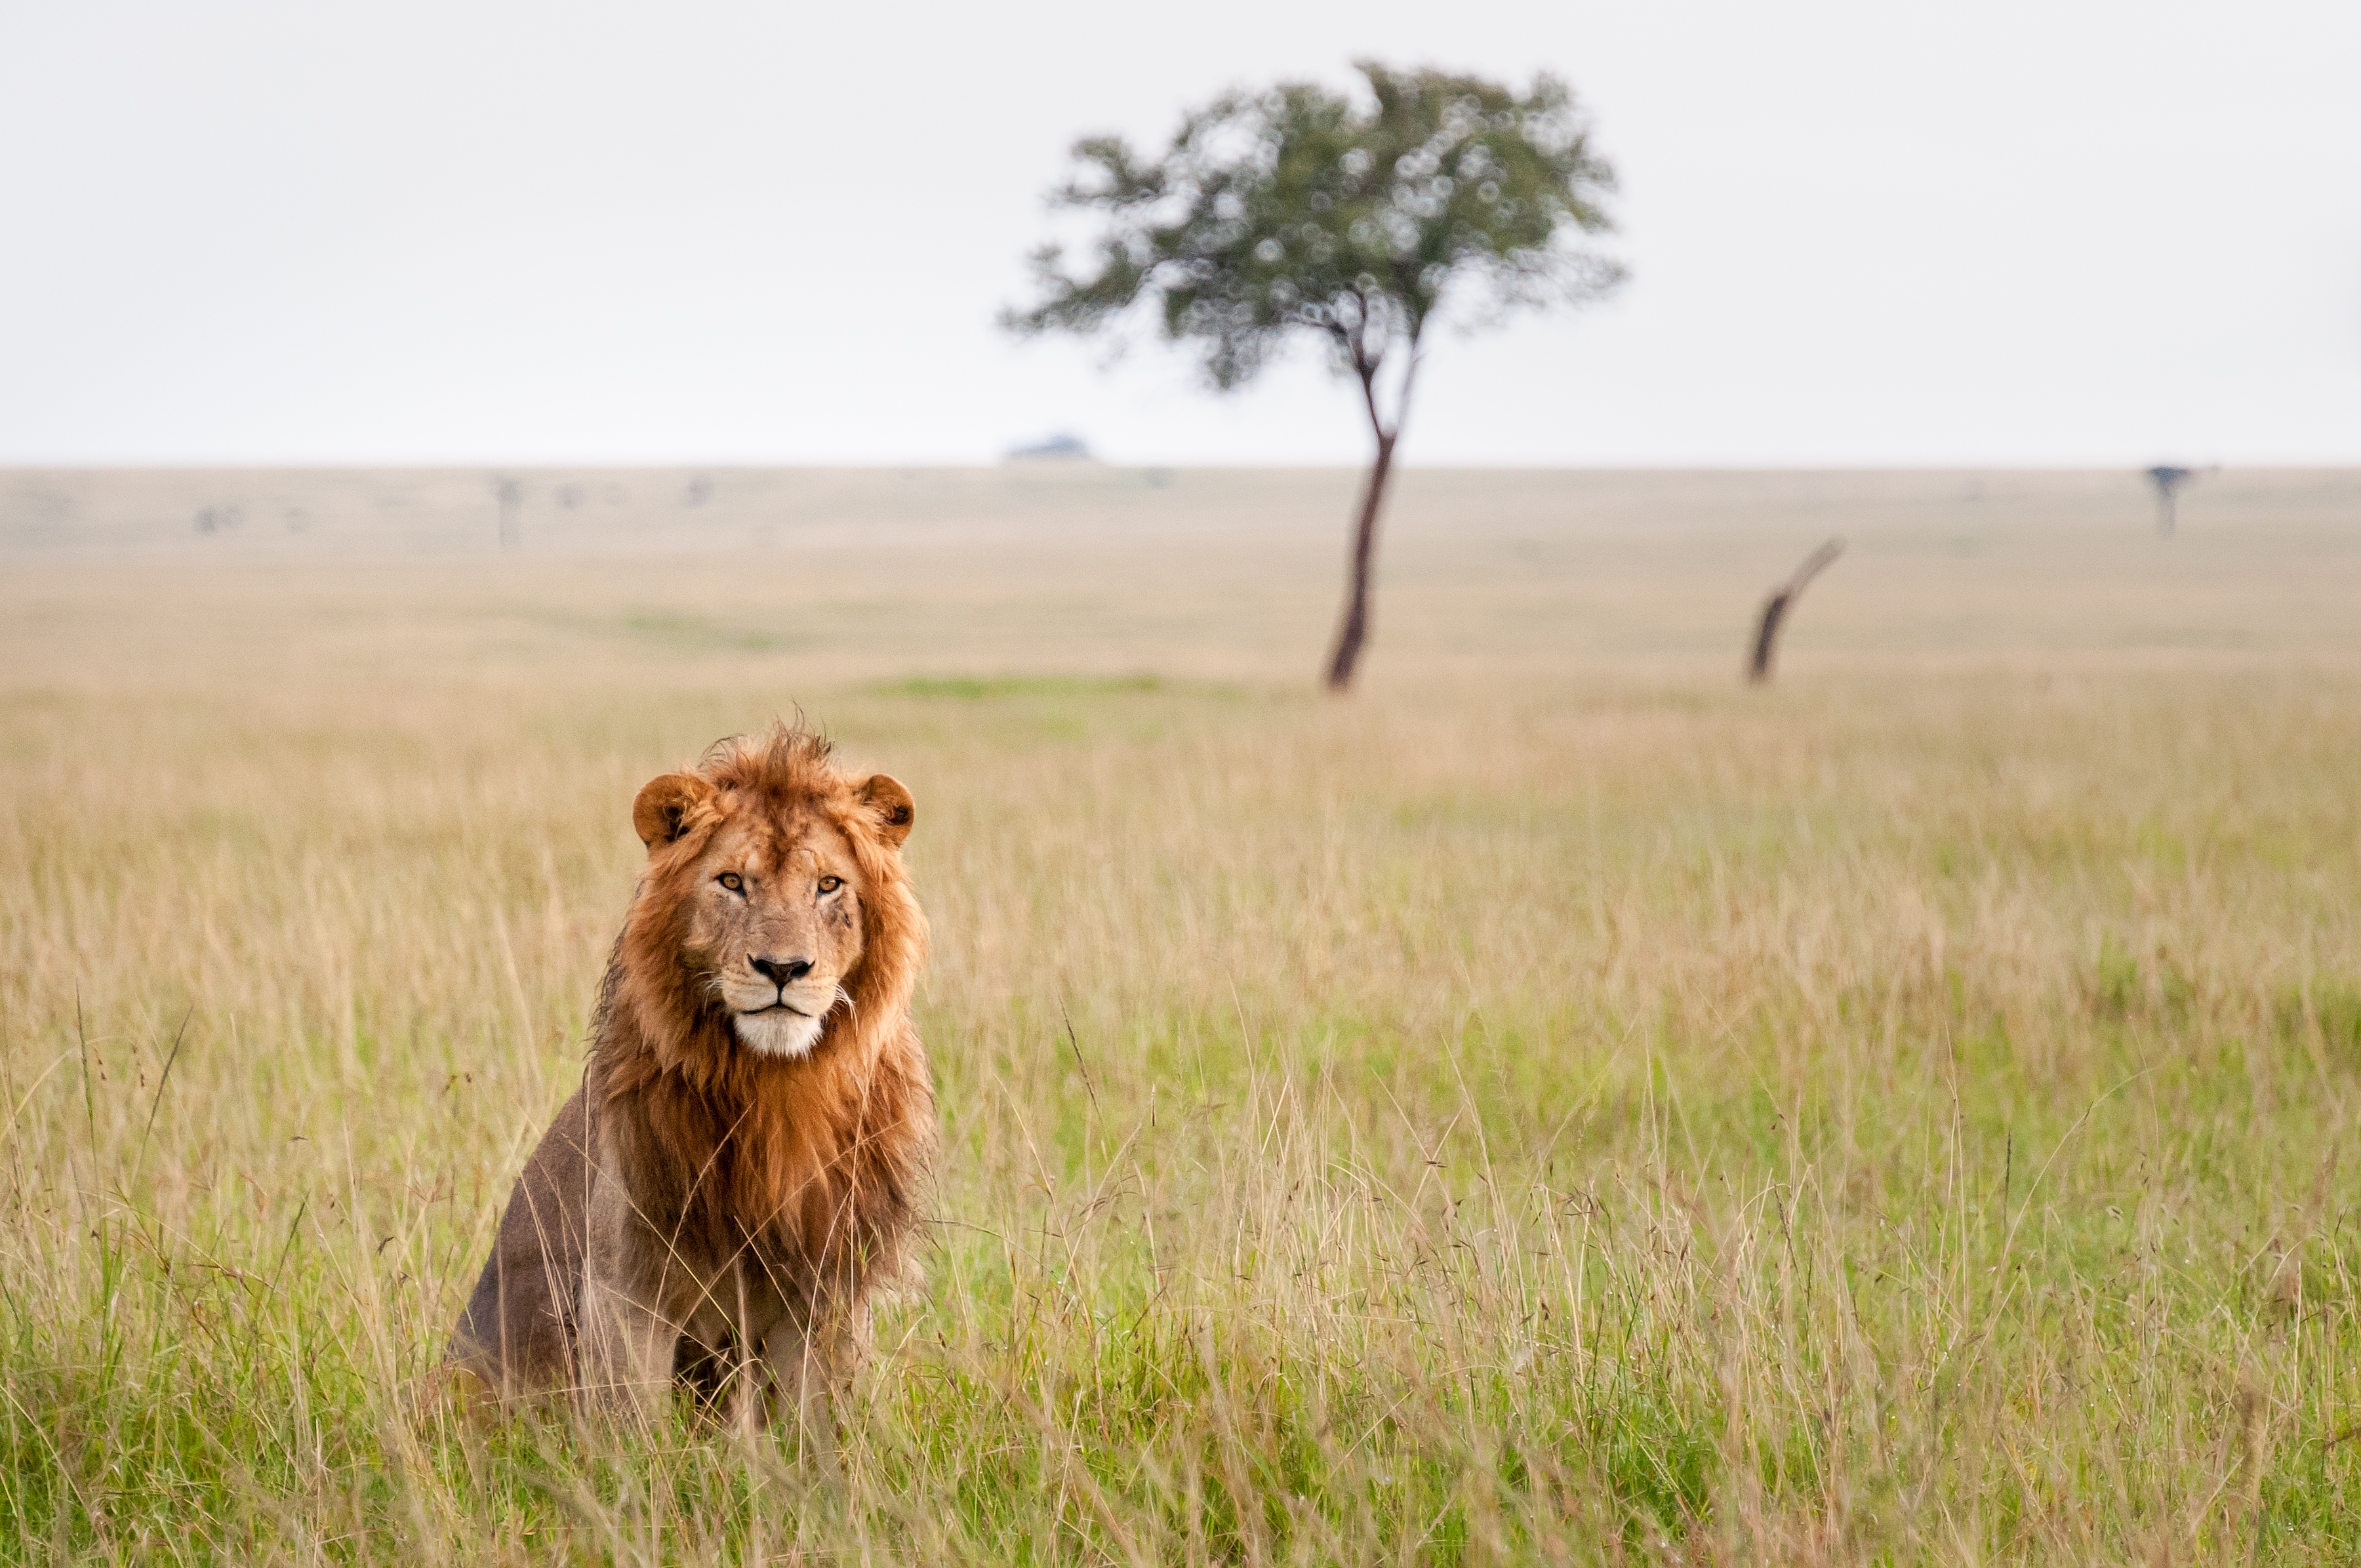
[{"x": 805, "y": 1207}]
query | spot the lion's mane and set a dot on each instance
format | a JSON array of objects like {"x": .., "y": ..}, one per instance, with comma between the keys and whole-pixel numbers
[{"x": 808, "y": 1165}]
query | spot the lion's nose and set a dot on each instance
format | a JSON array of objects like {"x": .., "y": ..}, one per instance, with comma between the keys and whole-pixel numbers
[{"x": 781, "y": 971}]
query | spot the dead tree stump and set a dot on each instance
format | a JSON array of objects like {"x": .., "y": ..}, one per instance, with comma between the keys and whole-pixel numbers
[{"x": 1775, "y": 608}]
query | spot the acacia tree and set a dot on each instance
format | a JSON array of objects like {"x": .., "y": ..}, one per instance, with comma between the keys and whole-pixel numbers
[{"x": 1298, "y": 210}]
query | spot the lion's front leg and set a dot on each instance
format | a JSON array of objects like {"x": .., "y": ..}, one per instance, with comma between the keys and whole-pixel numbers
[
  {"x": 810, "y": 1367},
  {"x": 628, "y": 1339},
  {"x": 803, "y": 1385}
]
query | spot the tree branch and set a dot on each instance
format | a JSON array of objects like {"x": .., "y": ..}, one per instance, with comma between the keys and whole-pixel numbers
[{"x": 1409, "y": 378}]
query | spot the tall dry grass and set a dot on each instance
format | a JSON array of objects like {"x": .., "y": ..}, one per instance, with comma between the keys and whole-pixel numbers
[{"x": 1904, "y": 1116}]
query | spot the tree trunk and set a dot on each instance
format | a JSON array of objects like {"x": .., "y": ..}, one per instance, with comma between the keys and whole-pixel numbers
[
  {"x": 1355, "y": 628},
  {"x": 1774, "y": 610},
  {"x": 510, "y": 495},
  {"x": 1766, "y": 637}
]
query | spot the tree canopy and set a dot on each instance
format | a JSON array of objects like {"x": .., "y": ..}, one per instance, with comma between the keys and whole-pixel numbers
[{"x": 1297, "y": 207}]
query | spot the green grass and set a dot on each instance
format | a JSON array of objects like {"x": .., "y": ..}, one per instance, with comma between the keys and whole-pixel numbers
[
  {"x": 1554, "y": 1146},
  {"x": 1516, "y": 1115}
]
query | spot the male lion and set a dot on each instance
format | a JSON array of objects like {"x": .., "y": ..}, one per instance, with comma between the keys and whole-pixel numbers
[{"x": 736, "y": 1177}]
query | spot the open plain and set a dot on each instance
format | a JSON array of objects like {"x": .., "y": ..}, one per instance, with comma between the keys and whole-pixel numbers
[{"x": 1556, "y": 1105}]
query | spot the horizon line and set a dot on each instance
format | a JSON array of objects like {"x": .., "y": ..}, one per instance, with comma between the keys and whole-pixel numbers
[{"x": 1079, "y": 465}]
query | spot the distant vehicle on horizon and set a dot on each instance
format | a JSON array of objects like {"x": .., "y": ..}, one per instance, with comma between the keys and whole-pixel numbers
[{"x": 1062, "y": 448}]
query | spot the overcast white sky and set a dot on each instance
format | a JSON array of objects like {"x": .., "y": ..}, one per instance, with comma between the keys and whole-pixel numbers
[{"x": 1876, "y": 233}]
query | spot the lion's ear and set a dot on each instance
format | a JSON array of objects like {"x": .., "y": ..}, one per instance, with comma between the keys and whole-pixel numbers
[
  {"x": 663, "y": 805},
  {"x": 890, "y": 803}
]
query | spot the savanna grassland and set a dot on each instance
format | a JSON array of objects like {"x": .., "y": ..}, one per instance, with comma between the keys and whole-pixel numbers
[{"x": 1556, "y": 1105}]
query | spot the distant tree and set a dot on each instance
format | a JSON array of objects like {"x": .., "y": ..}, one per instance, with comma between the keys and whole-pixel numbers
[
  {"x": 2167, "y": 481},
  {"x": 510, "y": 493},
  {"x": 1298, "y": 210}
]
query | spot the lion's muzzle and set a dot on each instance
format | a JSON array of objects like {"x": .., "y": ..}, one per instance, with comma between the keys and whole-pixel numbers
[{"x": 779, "y": 1005}]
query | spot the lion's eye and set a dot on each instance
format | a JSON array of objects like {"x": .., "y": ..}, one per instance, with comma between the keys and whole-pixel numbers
[
  {"x": 733, "y": 881},
  {"x": 830, "y": 884}
]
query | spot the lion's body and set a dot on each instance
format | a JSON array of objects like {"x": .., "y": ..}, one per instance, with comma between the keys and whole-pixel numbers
[
  {"x": 739, "y": 1174},
  {"x": 519, "y": 1327}
]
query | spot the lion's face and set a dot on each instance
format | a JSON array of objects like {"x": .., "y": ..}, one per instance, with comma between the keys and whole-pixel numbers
[
  {"x": 774, "y": 926},
  {"x": 768, "y": 911}
]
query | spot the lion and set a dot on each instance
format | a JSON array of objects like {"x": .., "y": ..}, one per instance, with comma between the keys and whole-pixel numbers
[{"x": 736, "y": 1183}]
